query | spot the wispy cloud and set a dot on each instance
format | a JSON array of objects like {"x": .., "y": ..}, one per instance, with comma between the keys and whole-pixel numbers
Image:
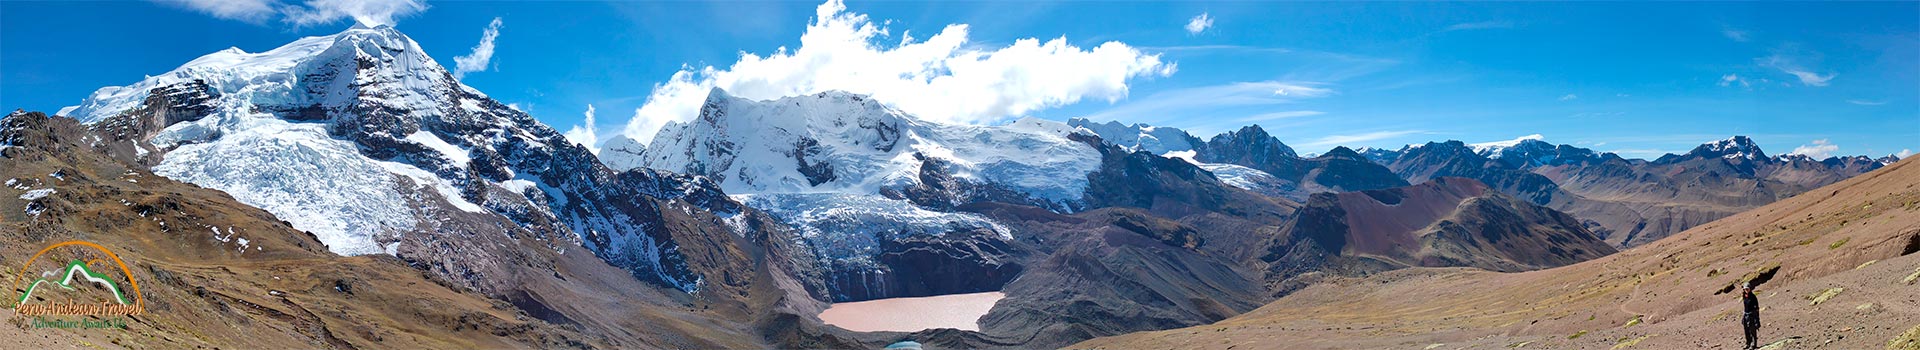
[
  {"x": 1232, "y": 48},
  {"x": 1736, "y": 34},
  {"x": 1479, "y": 25},
  {"x": 1199, "y": 23},
  {"x": 250, "y": 11},
  {"x": 1569, "y": 97},
  {"x": 1344, "y": 140},
  {"x": 1904, "y": 153},
  {"x": 1734, "y": 79},
  {"x": 1819, "y": 149},
  {"x": 1866, "y": 102},
  {"x": 310, "y": 12},
  {"x": 1176, "y": 106},
  {"x": 1793, "y": 66},
  {"x": 1280, "y": 115},
  {"x": 1597, "y": 114},
  {"x": 482, "y": 53}
]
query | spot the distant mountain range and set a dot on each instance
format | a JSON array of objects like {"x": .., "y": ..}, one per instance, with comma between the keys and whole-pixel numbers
[{"x": 740, "y": 225}]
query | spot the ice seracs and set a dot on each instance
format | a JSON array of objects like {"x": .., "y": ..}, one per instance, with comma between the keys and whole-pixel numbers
[
  {"x": 855, "y": 176},
  {"x": 846, "y": 143}
]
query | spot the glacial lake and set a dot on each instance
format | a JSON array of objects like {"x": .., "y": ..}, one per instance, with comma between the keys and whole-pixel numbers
[{"x": 957, "y": 311}]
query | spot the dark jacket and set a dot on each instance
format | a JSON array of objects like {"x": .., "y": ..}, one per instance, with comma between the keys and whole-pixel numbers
[{"x": 1751, "y": 316}]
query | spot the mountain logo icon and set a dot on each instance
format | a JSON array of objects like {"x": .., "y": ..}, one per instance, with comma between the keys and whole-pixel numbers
[
  {"x": 78, "y": 269},
  {"x": 85, "y": 285}
]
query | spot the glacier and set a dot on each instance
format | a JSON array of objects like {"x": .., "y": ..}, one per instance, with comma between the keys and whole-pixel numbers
[
  {"x": 847, "y": 143},
  {"x": 298, "y": 173}
]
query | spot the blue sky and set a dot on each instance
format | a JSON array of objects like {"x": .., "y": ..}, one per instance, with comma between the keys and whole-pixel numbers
[{"x": 1638, "y": 79}]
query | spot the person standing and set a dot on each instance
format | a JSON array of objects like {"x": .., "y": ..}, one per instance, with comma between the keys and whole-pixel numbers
[{"x": 1750, "y": 318}]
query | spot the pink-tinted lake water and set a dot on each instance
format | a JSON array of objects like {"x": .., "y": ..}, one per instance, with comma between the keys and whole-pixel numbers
[{"x": 957, "y": 311}]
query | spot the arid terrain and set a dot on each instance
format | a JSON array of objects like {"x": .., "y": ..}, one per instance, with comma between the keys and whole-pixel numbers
[{"x": 1837, "y": 270}]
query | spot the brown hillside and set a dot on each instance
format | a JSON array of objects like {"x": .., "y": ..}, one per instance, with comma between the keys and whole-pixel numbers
[
  {"x": 1852, "y": 241},
  {"x": 282, "y": 289}
]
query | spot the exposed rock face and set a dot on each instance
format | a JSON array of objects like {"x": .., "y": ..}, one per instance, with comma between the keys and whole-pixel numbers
[
  {"x": 1788, "y": 246},
  {"x": 1454, "y": 158},
  {"x": 1248, "y": 146},
  {"x": 1251, "y": 159},
  {"x": 1630, "y": 202},
  {"x": 1341, "y": 169},
  {"x": 955, "y": 263},
  {"x": 1111, "y": 271},
  {"x": 873, "y": 191},
  {"x": 1444, "y": 222}
]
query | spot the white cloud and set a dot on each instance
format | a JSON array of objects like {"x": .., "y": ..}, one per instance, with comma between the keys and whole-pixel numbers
[
  {"x": 942, "y": 78},
  {"x": 1199, "y": 23},
  {"x": 482, "y": 53},
  {"x": 1820, "y": 149},
  {"x": 586, "y": 135},
  {"x": 1811, "y": 78},
  {"x": 1867, "y": 103},
  {"x": 1731, "y": 79},
  {"x": 369, "y": 12},
  {"x": 250, "y": 11},
  {"x": 1790, "y": 66},
  {"x": 310, "y": 12},
  {"x": 1179, "y": 107},
  {"x": 1736, "y": 34},
  {"x": 1903, "y": 153},
  {"x": 1569, "y": 97},
  {"x": 1344, "y": 140}
]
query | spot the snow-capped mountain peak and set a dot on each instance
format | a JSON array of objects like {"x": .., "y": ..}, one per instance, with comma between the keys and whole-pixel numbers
[
  {"x": 283, "y": 75},
  {"x": 1495, "y": 148},
  {"x": 849, "y": 143},
  {"x": 1139, "y": 136},
  {"x": 1737, "y": 147}
]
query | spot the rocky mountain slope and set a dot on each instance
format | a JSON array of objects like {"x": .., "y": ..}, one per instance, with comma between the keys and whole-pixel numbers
[
  {"x": 863, "y": 182},
  {"x": 1836, "y": 268},
  {"x": 1252, "y": 159},
  {"x": 1630, "y": 202},
  {"x": 362, "y": 139},
  {"x": 1447, "y": 221},
  {"x": 218, "y": 273}
]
